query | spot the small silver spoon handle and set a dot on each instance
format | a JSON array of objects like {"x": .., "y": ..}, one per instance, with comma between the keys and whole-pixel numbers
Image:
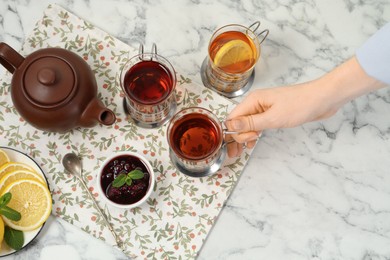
[{"x": 117, "y": 239}]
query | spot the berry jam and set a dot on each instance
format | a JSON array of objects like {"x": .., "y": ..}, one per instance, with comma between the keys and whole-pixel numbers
[{"x": 126, "y": 194}]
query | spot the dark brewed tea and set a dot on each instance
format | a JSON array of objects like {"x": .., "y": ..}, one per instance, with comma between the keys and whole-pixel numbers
[
  {"x": 195, "y": 136},
  {"x": 148, "y": 82}
]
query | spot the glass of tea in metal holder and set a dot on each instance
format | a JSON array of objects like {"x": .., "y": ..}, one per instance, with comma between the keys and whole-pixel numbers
[
  {"x": 196, "y": 142},
  {"x": 148, "y": 81},
  {"x": 233, "y": 52}
]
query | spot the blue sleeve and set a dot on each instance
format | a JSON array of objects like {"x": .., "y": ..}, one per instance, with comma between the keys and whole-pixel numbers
[{"x": 374, "y": 55}]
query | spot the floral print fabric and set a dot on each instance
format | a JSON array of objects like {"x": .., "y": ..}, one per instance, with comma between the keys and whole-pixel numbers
[{"x": 175, "y": 221}]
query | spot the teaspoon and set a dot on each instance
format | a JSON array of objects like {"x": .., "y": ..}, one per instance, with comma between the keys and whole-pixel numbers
[{"x": 72, "y": 164}]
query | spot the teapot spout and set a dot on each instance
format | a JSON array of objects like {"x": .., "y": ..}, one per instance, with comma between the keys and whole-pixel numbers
[{"x": 96, "y": 112}]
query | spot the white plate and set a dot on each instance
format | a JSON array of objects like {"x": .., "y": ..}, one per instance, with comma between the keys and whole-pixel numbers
[{"x": 29, "y": 236}]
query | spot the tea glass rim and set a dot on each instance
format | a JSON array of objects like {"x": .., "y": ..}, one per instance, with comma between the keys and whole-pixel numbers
[
  {"x": 124, "y": 71},
  {"x": 217, "y": 123},
  {"x": 253, "y": 37},
  {"x": 151, "y": 180}
]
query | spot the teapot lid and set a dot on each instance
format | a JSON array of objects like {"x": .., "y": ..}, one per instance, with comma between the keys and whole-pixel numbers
[{"x": 49, "y": 82}]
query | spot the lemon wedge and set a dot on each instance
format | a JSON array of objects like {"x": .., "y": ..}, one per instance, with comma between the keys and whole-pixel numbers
[
  {"x": 18, "y": 175},
  {"x": 3, "y": 157},
  {"x": 14, "y": 166},
  {"x": 232, "y": 52},
  {"x": 33, "y": 200}
]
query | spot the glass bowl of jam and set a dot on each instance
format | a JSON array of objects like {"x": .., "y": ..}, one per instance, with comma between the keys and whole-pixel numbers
[{"x": 126, "y": 180}]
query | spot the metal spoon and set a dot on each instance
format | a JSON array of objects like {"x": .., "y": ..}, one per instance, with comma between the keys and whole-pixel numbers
[{"x": 72, "y": 164}]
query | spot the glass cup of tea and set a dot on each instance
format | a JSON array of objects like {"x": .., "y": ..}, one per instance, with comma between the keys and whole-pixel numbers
[
  {"x": 233, "y": 52},
  {"x": 148, "y": 81},
  {"x": 196, "y": 142}
]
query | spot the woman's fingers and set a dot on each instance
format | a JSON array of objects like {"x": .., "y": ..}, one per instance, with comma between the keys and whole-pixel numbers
[{"x": 235, "y": 148}]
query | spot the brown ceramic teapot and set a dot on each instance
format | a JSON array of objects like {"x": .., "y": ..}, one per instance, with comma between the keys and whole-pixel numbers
[{"x": 54, "y": 89}]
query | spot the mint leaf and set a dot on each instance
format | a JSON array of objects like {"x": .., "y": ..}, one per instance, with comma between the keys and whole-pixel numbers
[
  {"x": 123, "y": 179},
  {"x": 5, "y": 199},
  {"x": 119, "y": 181},
  {"x": 7, "y": 211},
  {"x": 10, "y": 213},
  {"x": 129, "y": 181},
  {"x": 13, "y": 238},
  {"x": 136, "y": 174}
]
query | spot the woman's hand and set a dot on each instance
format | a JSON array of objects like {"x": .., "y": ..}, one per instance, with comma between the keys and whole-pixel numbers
[{"x": 290, "y": 106}]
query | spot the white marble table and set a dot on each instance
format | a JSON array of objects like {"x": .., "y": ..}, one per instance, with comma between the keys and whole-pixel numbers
[{"x": 319, "y": 191}]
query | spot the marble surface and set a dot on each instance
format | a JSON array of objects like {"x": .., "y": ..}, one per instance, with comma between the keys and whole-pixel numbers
[{"x": 318, "y": 191}]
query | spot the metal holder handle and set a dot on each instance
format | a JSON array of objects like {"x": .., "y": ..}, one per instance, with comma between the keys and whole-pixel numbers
[
  {"x": 141, "y": 51},
  {"x": 266, "y": 31},
  {"x": 154, "y": 48},
  {"x": 225, "y": 132},
  {"x": 256, "y": 25}
]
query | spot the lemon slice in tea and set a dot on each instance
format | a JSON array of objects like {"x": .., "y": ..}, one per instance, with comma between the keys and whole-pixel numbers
[
  {"x": 33, "y": 200},
  {"x": 233, "y": 52}
]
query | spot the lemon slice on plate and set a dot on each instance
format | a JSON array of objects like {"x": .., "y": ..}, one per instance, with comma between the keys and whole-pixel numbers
[
  {"x": 14, "y": 166},
  {"x": 233, "y": 52},
  {"x": 1, "y": 231},
  {"x": 18, "y": 175},
  {"x": 3, "y": 157},
  {"x": 33, "y": 200}
]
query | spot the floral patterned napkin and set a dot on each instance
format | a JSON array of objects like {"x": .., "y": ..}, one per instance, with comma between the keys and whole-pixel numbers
[{"x": 181, "y": 211}]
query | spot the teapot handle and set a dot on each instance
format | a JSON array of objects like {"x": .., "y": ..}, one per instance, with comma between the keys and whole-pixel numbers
[{"x": 9, "y": 58}]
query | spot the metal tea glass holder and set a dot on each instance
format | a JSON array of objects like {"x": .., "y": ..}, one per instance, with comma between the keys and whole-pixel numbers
[{"x": 207, "y": 67}]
